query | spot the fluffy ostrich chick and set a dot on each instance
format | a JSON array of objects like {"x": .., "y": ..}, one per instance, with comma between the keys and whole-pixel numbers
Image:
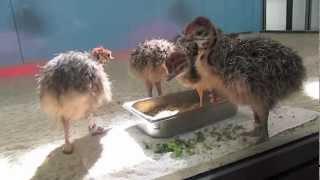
[
  {"x": 257, "y": 72},
  {"x": 181, "y": 65},
  {"x": 72, "y": 86},
  {"x": 147, "y": 62}
]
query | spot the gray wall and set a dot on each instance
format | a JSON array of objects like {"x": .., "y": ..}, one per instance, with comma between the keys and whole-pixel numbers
[{"x": 315, "y": 15}]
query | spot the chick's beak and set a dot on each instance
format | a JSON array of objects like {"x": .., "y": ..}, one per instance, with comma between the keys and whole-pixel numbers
[
  {"x": 175, "y": 65},
  {"x": 176, "y": 71},
  {"x": 186, "y": 37},
  {"x": 171, "y": 76}
]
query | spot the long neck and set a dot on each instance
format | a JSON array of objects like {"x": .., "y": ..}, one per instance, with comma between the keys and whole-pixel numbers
[
  {"x": 95, "y": 58},
  {"x": 91, "y": 56},
  {"x": 219, "y": 50}
]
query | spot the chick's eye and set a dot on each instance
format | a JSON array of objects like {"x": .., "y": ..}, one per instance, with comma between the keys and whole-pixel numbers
[
  {"x": 108, "y": 55},
  {"x": 199, "y": 33}
]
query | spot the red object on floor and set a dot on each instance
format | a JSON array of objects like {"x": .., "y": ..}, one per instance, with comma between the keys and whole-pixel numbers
[{"x": 19, "y": 70}]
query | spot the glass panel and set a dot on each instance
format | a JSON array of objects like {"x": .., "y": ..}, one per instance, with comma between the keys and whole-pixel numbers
[
  {"x": 315, "y": 15},
  {"x": 276, "y": 13},
  {"x": 299, "y": 15},
  {"x": 31, "y": 142}
]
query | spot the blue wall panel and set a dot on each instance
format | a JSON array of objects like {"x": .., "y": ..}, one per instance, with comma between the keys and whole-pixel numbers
[
  {"x": 48, "y": 27},
  {"x": 9, "y": 51}
]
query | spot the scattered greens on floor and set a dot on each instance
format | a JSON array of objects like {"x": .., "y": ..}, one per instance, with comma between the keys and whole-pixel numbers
[{"x": 179, "y": 146}]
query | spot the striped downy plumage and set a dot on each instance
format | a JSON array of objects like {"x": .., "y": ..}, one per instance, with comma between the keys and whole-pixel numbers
[
  {"x": 257, "y": 72},
  {"x": 185, "y": 57},
  {"x": 147, "y": 62},
  {"x": 72, "y": 86},
  {"x": 186, "y": 73}
]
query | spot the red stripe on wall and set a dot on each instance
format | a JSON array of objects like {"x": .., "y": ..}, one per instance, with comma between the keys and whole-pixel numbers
[
  {"x": 33, "y": 68},
  {"x": 19, "y": 70}
]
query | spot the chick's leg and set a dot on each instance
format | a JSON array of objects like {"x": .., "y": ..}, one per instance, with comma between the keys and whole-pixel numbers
[
  {"x": 149, "y": 87},
  {"x": 159, "y": 88},
  {"x": 67, "y": 148},
  {"x": 264, "y": 125},
  {"x": 214, "y": 97},
  {"x": 93, "y": 128},
  {"x": 200, "y": 93},
  {"x": 260, "y": 124}
]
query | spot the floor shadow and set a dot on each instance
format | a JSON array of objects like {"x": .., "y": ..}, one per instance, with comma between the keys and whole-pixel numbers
[
  {"x": 145, "y": 141},
  {"x": 59, "y": 166}
]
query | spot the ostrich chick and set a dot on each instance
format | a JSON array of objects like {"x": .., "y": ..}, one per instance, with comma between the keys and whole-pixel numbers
[
  {"x": 147, "y": 62},
  {"x": 181, "y": 64},
  {"x": 72, "y": 86},
  {"x": 257, "y": 72},
  {"x": 186, "y": 73}
]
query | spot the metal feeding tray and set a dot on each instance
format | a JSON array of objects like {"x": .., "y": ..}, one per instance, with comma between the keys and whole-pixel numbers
[{"x": 177, "y": 113}]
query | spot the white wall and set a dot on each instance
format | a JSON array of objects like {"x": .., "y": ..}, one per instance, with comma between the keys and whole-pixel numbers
[
  {"x": 315, "y": 15},
  {"x": 276, "y": 12},
  {"x": 299, "y": 15}
]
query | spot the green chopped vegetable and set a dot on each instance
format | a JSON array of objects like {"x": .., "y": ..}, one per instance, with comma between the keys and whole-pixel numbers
[
  {"x": 219, "y": 138},
  {"x": 207, "y": 146},
  {"x": 227, "y": 135},
  {"x": 191, "y": 142},
  {"x": 146, "y": 145},
  {"x": 229, "y": 126},
  {"x": 238, "y": 127},
  {"x": 190, "y": 152},
  {"x": 200, "y": 137},
  {"x": 162, "y": 148},
  {"x": 176, "y": 146},
  {"x": 213, "y": 133}
]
